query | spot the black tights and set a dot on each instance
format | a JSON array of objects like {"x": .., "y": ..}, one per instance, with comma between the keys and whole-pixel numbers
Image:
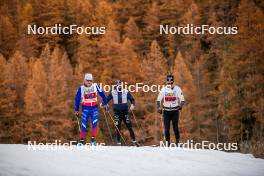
[
  {"x": 123, "y": 116},
  {"x": 173, "y": 116}
]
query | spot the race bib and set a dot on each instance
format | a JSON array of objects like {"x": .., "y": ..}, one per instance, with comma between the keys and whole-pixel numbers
[
  {"x": 89, "y": 95},
  {"x": 170, "y": 98}
]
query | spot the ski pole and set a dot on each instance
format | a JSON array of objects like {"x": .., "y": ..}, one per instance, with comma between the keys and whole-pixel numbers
[
  {"x": 116, "y": 128},
  {"x": 135, "y": 119},
  {"x": 162, "y": 135},
  {"x": 78, "y": 123},
  {"x": 108, "y": 127},
  {"x": 138, "y": 126}
]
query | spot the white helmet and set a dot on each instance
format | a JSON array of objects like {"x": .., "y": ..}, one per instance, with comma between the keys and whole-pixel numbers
[{"x": 88, "y": 77}]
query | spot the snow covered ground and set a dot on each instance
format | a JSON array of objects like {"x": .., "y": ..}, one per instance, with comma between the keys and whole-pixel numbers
[{"x": 126, "y": 161}]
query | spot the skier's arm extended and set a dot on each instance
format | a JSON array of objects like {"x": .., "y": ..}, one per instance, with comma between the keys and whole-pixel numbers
[
  {"x": 108, "y": 98},
  {"x": 101, "y": 93},
  {"x": 77, "y": 99}
]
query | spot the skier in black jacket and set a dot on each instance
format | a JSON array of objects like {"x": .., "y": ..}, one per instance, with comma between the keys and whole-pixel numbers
[{"x": 120, "y": 98}]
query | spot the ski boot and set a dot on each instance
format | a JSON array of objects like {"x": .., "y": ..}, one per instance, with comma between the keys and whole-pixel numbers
[
  {"x": 81, "y": 141},
  {"x": 135, "y": 143},
  {"x": 177, "y": 142},
  {"x": 93, "y": 142},
  {"x": 118, "y": 144}
]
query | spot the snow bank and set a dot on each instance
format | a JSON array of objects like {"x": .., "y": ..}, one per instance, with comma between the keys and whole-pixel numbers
[{"x": 143, "y": 161}]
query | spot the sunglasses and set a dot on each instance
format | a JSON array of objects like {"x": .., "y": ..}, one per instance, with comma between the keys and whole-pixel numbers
[{"x": 169, "y": 82}]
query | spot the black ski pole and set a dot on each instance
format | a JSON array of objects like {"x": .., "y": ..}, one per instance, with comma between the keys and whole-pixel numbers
[
  {"x": 108, "y": 128},
  {"x": 138, "y": 126},
  {"x": 117, "y": 128},
  {"x": 79, "y": 128},
  {"x": 162, "y": 125}
]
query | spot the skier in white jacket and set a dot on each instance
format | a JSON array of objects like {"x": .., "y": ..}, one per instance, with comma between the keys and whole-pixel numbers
[{"x": 170, "y": 101}]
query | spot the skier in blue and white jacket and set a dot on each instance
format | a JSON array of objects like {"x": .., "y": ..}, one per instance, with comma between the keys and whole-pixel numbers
[{"x": 87, "y": 96}]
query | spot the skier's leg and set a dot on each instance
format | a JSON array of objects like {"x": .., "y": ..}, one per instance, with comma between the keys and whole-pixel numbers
[
  {"x": 94, "y": 118},
  {"x": 129, "y": 125},
  {"x": 175, "y": 121},
  {"x": 130, "y": 129},
  {"x": 166, "y": 121},
  {"x": 84, "y": 123}
]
